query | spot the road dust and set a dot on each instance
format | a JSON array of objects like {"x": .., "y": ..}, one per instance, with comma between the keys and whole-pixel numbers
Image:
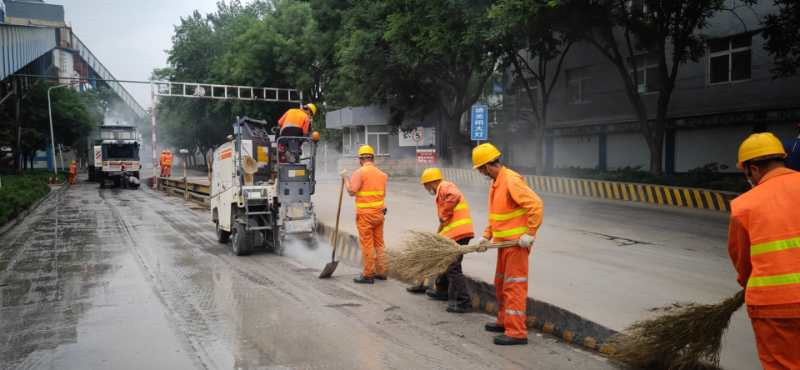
[{"x": 309, "y": 254}]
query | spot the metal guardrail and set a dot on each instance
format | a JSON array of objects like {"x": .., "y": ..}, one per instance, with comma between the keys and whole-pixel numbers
[{"x": 189, "y": 190}]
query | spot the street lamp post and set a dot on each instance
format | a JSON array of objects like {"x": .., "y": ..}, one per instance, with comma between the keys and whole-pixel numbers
[{"x": 52, "y": 137}]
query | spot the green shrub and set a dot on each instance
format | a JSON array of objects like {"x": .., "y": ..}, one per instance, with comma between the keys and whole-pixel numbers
[{"x": 20, "y": 192}]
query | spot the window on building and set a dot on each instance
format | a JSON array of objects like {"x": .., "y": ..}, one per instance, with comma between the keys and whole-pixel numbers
[
  {"x": 378, "y": 139},
  {"x": 647, "y": 76},
  {"x": 729, "y": 59},
  {"x": 577, "y": 81}
]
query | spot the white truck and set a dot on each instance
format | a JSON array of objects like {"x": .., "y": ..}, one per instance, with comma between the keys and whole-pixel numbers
[
  {"x": 257, "y": 197},
  {"x": 114, "y": 154}
]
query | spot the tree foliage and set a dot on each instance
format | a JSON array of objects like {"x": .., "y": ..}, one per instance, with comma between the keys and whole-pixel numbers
[{"x": 783, "y": 37}]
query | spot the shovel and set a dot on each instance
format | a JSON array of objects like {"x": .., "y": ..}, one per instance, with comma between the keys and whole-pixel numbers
[{"x": 331, "y": 267}]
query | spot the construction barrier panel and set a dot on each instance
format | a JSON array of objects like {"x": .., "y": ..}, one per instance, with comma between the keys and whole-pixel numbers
[{"x": 661, "y": 195}]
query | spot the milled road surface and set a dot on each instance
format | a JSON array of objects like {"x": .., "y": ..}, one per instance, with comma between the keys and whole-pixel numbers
[
  {"x": 609, "y": 261},
  {"x": 131, "y": 279}
]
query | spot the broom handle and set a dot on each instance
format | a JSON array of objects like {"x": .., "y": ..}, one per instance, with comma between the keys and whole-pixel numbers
[
  {"x": 336, "y": 230},
  {"x": 510, "y": 243}
]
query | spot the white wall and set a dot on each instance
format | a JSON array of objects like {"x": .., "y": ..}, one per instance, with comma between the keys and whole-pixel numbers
[
  {"x": 627, "y": 150},
  {"x": 698, "y": 147},
  {"x": 576, "y": 151}
]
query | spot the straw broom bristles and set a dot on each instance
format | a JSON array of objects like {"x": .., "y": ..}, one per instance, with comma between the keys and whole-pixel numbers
[
  {"x": 678, "y": 340},
  {"x": 425, "y": 254}
]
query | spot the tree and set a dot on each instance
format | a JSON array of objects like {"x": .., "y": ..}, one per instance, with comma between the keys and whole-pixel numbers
[
  {"x": 783, "y": 37},
  {"x": 629, "y": 32},
  {"x": 417, "y": 55},
  {"x": 534, "y": 50}
]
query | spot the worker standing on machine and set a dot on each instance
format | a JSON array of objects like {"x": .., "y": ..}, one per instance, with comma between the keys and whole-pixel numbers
[{"x": 296, "y": 122}]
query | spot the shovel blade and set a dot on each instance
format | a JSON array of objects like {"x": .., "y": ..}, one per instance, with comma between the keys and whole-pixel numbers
[{"x": 328, "y": 270}]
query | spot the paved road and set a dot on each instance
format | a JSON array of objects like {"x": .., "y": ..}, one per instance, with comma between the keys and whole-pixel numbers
[
  {"x": 610, "y": 262},
  {"x": 98, "y": 279}
]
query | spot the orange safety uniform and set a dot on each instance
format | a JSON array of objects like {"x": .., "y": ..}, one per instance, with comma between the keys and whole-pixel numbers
[
  {"x": 296, "y": 118},
  {"x": 369, "y": 185},
  {"x": 166, "y": 164},
  {"x": 514, "y": 210},
  {"x": 454, "y": 220},
  {"x": 73, "y": 172},
  {"x": 764, "y": 245}
]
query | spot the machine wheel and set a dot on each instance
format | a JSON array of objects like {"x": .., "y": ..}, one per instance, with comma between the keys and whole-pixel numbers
[
  {"x": 222, "y": 235},
  {"x": 241, "y": 240},
  {"x": 277, "y": 240}
]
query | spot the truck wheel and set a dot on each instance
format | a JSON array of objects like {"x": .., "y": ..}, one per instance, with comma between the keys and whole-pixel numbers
[
  {"x": 222, "y": 235},
  {"x": 241, "y": 240}
]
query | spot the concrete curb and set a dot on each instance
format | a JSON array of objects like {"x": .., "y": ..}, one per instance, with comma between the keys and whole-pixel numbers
[
  {"x": 5, "y": 228},
  {"x": 542, "y": 316}
]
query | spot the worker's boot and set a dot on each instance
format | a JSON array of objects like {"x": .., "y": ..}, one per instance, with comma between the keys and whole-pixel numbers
[
  {"x": 381, "y": 277},
  {"x": 439, "y": 296},
  {"x": 504, "y": 340},
  {"x": 495, "y": 327},
  {"x": 417, "y": 289},
  {"x": 458, "y": 309},
  {"x": 361, "y": 279}
]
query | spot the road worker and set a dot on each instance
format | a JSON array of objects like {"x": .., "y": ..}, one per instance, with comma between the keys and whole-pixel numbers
[
  {"x": 764, "y": 245},
  {"x": 296, "y": 122},
  {"x": 454, "y": 223},
  {"x": 166, "y": 163},
  {"x": 515, "y": 213},
  {"x": 368, "y": 185},
  {"x": 73, "y": 172}
]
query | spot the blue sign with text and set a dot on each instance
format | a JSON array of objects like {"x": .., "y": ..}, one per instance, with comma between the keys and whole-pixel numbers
[{"x": 479, "y": 127}]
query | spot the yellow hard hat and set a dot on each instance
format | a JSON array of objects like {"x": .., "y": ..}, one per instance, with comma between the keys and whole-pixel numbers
[
  {"x": 430, "y": 175},
  {"x": 483, "y": 154},
  {"x": 313, "y": 108},
  {"x": 366, "y": 150},
  {"x": 760, "y": 145}
]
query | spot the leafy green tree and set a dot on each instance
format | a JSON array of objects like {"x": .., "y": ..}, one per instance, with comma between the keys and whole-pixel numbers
[
  {"x": 783, "y": 37},
  {"x": 417, "y": 56}
]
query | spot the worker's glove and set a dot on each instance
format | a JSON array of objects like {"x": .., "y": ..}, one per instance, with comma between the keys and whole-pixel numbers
[
  {"x": 483, "y": 244},
  {"x": 526, "y": 241},
  {"x": 343, "y": 174}
]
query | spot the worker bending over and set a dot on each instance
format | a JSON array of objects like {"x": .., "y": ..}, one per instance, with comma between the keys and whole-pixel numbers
[
  {"x": 73, "y": 172},
  {"x": 456, "y": 224},
  {"x": 764, "y": 245},
  {"x": 368, "y": 185},
  {"x": 515, "y": 213},
  {"x": 296, "y": 122}
]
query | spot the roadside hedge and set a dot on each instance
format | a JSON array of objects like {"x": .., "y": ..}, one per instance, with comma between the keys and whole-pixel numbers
[{"x": 20, "y": 191}]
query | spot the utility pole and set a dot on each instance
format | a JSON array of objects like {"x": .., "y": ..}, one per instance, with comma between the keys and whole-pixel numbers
[
  {"x": 17, "y": 105},
  {"x": 153, "y": 134},
  {"x": 52, "y": 137}
]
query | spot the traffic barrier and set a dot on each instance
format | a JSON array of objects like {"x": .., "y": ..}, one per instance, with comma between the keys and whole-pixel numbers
[
  {"x": 197, "y": 192},
  {"x": 661, "y": 195}
]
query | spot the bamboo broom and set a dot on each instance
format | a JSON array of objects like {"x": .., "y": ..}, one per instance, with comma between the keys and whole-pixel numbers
[
  {"x": 686, "y": 337},
  {"x": 427, "y": 254}
]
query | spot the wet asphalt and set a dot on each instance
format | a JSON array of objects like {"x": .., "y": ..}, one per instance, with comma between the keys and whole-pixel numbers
[{"x": 132, "y": 279}]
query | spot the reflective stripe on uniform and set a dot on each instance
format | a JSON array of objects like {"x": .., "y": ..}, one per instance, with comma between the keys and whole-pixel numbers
[
  {"x": 461, "y": 206},
  {"x": 453, "y": 225},
  {"x": 516, "y": 280},
  {"x": 369, "y": 193},
  {"x": 773, "y": 280},
  {"x": 370, "y": 204},
  {"x": 774, "y": 246},
  {"x": 510, "y": 232},
  {"x": 514, "y": 312},
  {"x": 507, "y": 216}
]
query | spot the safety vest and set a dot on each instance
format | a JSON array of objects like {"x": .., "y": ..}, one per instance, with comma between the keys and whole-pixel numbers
[
  {"x": 73, "y": 168},
  {"x": 370, "y": 197},
  {"x": 459, "y": 225},
  {"x": 507, "y": 219},
  {"x": 168, "y": 159},
  {"x": 295, "y": 118},
  {"x": 769, "y": 213}
]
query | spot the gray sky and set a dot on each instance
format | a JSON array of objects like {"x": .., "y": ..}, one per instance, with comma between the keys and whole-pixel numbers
[{"x": 130, "y": 37}]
